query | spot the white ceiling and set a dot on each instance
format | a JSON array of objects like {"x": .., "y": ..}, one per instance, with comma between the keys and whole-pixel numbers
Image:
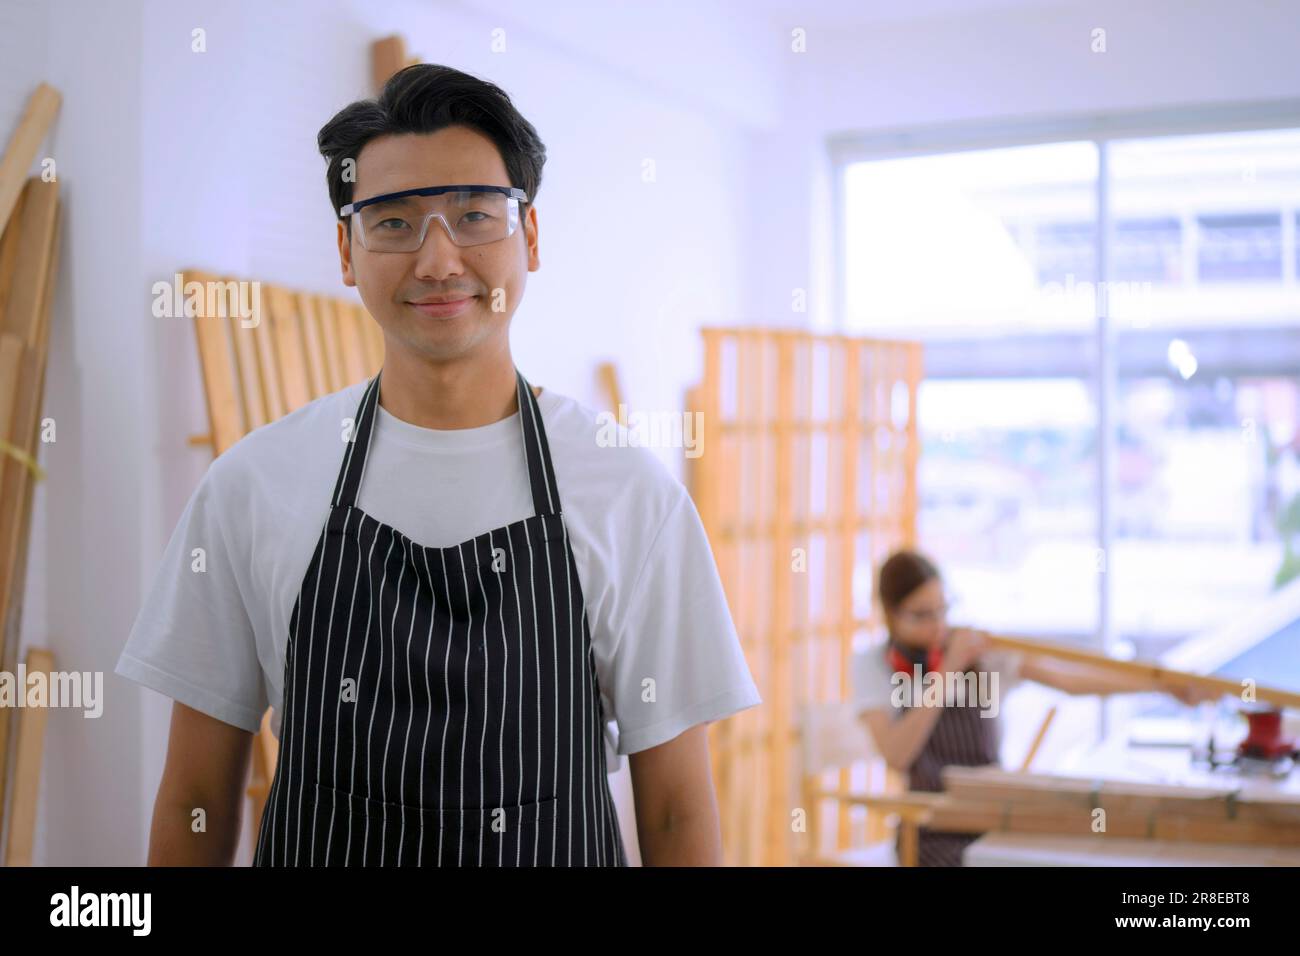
[{"x": 867, "y": 12}]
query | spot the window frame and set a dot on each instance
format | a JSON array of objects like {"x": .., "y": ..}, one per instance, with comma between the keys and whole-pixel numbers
[{"x": 1100, "y": 128}]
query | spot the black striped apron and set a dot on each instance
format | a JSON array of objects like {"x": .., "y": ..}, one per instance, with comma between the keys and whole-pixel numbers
[
  {"x": 961, "y": 738},
  {"x": 441, "y": 704}
]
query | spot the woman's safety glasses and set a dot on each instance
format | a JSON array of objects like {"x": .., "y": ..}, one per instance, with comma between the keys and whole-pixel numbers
[
  {"x": 926, "y": 615},
  {"x": 472, "y": 215}
]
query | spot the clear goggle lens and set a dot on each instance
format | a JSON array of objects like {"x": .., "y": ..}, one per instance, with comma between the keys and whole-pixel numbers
[{"x": 470, "y": 218}]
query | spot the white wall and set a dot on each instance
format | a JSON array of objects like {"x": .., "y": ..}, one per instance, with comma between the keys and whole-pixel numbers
[
  {"x": 171, "y": 159},
  {"x": 1035, "y": 59}
]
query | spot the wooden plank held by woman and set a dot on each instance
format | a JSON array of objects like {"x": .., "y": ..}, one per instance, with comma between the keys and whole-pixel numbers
[{"x": 1159, "y": 678}]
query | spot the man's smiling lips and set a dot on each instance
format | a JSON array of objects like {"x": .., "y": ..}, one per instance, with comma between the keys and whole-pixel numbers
[{"x": 442, "y": 307}]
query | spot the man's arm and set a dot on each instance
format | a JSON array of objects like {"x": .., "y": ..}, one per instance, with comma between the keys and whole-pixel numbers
[
  {"x": 676, "y": 808},
  {"x": 207, "y": 765}
]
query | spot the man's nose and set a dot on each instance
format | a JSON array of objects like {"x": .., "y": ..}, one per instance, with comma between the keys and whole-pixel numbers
[{"x": 438, "y": 256}]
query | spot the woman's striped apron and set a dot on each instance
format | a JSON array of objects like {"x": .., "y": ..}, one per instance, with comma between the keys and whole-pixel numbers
[
  {"x": 961, "y": 738},
  {"x": 441, "y": 705}
]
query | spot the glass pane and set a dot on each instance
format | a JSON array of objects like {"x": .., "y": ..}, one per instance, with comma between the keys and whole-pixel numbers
[
  {"x": 989, "y": 258},
  {"x": 1208, "y": 497},
  {"x": 1240, "y": 246},
  {"x": 1148, "y": 249}
]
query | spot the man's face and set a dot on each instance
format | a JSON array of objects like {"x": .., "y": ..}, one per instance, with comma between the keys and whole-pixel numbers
[{"x": 389, "y": 282}]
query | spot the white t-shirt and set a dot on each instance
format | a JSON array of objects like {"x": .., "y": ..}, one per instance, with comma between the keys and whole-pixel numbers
[
  {"x": 871, "y": 677},
  {"x": 215, "y": 640}
]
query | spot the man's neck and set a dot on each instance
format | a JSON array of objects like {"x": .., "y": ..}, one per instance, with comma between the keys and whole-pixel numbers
[{"x": 468, "y": 393}]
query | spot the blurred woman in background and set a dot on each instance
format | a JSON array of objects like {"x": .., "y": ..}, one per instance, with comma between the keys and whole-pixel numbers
[{"x": 922, "y": 740}]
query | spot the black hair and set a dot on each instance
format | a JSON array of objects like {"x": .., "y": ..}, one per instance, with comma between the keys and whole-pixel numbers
[
  {"x": 425, "y": 98},
  {"x": 902, "y": 573}
]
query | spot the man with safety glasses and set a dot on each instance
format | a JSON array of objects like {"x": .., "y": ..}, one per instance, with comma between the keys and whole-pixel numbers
[{"x": 439, "y": 580}]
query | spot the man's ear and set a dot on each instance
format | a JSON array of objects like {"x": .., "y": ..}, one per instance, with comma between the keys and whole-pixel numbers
[
  {"x": 530, "y": 237},
  {"x": 345, "y": 254}
]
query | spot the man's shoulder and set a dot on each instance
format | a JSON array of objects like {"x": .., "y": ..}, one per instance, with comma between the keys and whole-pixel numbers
[{"x": 602, "y": 460}]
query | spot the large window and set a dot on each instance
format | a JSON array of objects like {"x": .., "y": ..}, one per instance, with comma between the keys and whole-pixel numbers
[{"x": 992, "y": 258}]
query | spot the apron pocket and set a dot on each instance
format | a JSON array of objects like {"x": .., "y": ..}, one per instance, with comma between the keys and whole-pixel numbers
[{"x": 399, "y": 831}]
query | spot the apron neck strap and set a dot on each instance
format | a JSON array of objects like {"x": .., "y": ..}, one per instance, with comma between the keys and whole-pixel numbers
[
  {"x": 541, "y": 473},
  {"x": 537, "y": 453}
]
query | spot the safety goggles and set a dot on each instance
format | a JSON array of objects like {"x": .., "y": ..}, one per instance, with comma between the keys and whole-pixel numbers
[
  {"x": 926, "y": 615},
  {"x": 471, "y": 215}
]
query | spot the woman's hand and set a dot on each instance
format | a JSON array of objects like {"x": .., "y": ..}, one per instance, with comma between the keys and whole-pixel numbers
[{"x": 965, "y": 645}]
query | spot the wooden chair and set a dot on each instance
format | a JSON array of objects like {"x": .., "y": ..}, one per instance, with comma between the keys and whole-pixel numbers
[
  {"x": 832, "y": 738},
  {"x": 300, "y": 347}
]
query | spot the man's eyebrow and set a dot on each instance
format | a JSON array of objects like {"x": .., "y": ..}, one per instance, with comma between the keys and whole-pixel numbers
[{"x": 398, "y": 201}]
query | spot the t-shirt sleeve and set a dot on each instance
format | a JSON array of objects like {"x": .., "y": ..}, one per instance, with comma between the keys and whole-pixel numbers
[
  {"x": 192, "y": 639},
  {"x": 677, "y": 661},
  {"x": 869, "y": 679},
  {"x": 872, "y": 685}
]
